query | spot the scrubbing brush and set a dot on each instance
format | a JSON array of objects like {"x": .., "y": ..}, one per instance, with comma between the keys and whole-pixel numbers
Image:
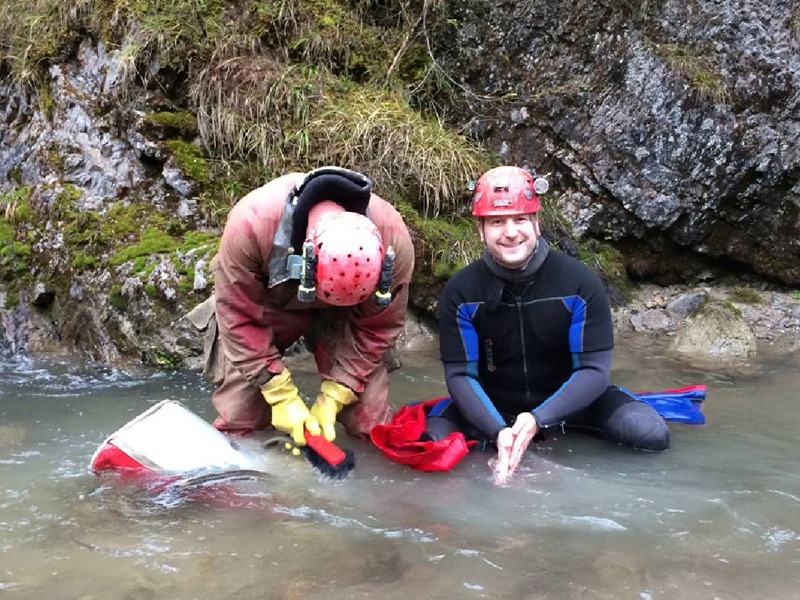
[{"x": 325, "y": 457}]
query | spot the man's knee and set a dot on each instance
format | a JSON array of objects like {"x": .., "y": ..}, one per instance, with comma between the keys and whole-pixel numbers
[
  {"x": 438, "y": 428},
  {"x": 639, "y": 425},
  {"x": 359, "y": 418},
  {"x": 372, "y": 407}
]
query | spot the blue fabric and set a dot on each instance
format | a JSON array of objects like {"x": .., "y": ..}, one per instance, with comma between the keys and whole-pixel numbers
[{"x": 680, "y": 406}]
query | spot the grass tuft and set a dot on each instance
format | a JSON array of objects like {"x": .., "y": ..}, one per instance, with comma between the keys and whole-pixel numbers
[
  {"x": 700, "y": 71},
  {"x": 412, "y": 155}
]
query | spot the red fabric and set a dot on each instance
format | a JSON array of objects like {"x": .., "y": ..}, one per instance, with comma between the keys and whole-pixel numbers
[
  {"x": 111, "y": 458},
  {"x": 399, "y": 441}
]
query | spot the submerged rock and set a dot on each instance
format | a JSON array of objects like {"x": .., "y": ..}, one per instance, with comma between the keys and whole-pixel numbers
[{"x": 717, "y": 331}]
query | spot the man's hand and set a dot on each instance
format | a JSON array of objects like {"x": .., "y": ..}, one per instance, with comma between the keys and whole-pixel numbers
[
  {"x": 331, "y": 399},
  {"x": 289, "y": 413},
  {"x": 511, "y": 445}
]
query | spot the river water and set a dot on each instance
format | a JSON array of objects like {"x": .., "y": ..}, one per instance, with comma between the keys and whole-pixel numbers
[{"x": 716, "y": 517}]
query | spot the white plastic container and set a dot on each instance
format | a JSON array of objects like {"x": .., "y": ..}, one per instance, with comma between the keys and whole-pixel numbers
[{"x": 169, "y": 439}]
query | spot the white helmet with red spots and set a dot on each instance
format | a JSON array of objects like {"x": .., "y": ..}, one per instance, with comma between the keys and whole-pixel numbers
[{"x": 349, "y": 253}]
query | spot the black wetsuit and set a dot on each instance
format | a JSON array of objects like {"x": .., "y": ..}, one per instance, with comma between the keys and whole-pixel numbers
[{"x": 536, "y": 339}]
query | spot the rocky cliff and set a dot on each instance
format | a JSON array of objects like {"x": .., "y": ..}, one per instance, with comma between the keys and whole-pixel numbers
[
  {"x": 670, "y": 127},
  {"x": 670, "y": 131}
]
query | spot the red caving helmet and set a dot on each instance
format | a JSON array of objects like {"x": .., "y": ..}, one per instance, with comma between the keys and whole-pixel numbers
[
  {"x": 349, "y": 252},
  {"x": 505, "y": 191}
]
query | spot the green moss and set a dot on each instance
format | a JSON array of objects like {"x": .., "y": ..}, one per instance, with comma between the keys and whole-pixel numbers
[
  {"x": 16, "y": 237},
  {"x": 65, "y": 205},
  {"x": 81, "y": 261},
  {"x": 12, "y": 298},
  {"x": 164, "y": 360},
  {"x": 182, "y": 123},
  {"x": 453, "y": 243},
  {"x": 15, "y": 175},
  {"x": 23, "y": 212},
  {"x": 200, "y": 239},
  {"x": 83, "y": 228},
  {"x": 190, "y": 159},
  {"x": 115, "y": 297},
  {"x": 727, "y": 305},
  {"x": 154, "y": 241},
  {"x": 14, "y": 255},
  {"x": 46, "y": 102},
  {"x": 448, "y": 243},
  {"x": 7, "y": 234},
  {"x": 122, "y": 221},
  {"x": 746, "y": 295},
  {"x": 229, "y": 181},
  {"x": 21, "y": 250},
  {"x": 151, "y": 290},
  {"x": 148, "y": 269},
  {"x": 54, "y": 159},
  {"x": 607, "y": 261},
  {"x": 15, "y": 204}
]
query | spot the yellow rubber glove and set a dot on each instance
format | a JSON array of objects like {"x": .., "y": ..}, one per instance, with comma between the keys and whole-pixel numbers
[
  {"x": 289, "y": 412},
  {"x": 332, "y": 398}
]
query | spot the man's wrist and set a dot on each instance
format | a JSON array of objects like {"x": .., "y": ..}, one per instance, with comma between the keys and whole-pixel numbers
[{"x": 537, "y": 421}]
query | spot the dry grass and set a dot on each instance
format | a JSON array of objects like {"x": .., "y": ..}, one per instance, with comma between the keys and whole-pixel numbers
[
  {"x": 250, "y": 105},
  {"x": 34, "y": 31},
  {"x": 638, "y": 10},
  {"x": 700, "y": 71},
  {"x": 170, "y": 32},
  {"x": 287, "y": 83},
  {"x": 794, "y": 23},
  {"x": 397, "y": 146},
  {"x": 325, "y": 33}
]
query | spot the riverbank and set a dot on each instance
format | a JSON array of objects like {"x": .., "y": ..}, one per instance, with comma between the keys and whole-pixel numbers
[
  {"x": 766, "y": 318},
  {"x": 708, "y": 323}
]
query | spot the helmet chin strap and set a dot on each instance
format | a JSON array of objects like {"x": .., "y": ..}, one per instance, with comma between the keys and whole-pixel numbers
[
  {"x": 307, "y": 290},
  {"x": 382, "y": 294}
]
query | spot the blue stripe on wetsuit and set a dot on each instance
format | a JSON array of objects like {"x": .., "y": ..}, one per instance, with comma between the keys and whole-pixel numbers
[
  {"x": 469, "y": 337},
  {"x": 577, "y": 307}
]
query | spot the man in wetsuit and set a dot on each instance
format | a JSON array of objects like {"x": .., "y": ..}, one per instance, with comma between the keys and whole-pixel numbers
[
  {"x": 526, "y": 338},
  {"x": 315, "y": 255}
]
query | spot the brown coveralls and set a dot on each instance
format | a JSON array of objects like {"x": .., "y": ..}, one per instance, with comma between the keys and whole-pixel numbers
[{"x": 256, "y": 324}]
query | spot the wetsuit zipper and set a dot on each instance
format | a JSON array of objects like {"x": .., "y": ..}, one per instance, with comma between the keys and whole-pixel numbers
[{"x": 518, "y": 302}]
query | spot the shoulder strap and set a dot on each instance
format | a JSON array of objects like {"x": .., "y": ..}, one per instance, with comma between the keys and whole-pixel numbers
[{"x": 349, "y": 189}]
